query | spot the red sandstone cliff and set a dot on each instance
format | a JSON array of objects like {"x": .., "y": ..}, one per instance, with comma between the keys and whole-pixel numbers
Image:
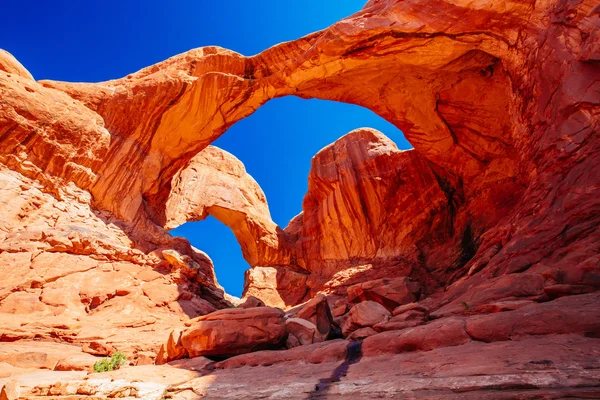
[{"x": 494, "y": 212}]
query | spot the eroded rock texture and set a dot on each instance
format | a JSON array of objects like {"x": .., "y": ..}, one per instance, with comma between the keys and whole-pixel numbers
[
  {"x": 216, "y": 183},
  {"x": 71, "y": 271},
  {"x": 494, "y": 212}
]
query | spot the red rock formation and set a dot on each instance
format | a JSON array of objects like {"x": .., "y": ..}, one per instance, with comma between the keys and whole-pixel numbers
[
  {"x": 463, "y": 97},
  {"x": 364, "y": 315},
  {"x": 317, "y": 311},
  {"x": 216, "y": 183},
  {"x": 367, "y": 203},
  {"x": 496, "y": 209},
  {"x": 277, "y": 287},
  {"x": 301, "y": 332},
  {"x": 235, "y": 331},
  {"x": 390, "y": 293},
  {"x": 73, "y": 273}
]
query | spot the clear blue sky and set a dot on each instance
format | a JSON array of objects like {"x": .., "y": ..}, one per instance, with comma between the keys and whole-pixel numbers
[{"x": 98, "y": 40}]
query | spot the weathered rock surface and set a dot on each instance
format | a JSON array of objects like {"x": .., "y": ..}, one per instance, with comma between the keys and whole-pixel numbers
[
  {"x": 234, "y": 331},
  {"x": 301, "y": 332},
  {"x": 252, "y": 302},
  {"x": 396, "y": 324},
  {"x": 317, "y": 311},
  {"x": 71, "y": 273},
  {"x": 317, "y": 353},
  {"x": 411, "y": 307},
  {"x": 216, "y": 183},
  {"x": 405, "y": 316},
  {"x": 11, "y": 65},
  {"x": 554, "y": 367},
  {"x": 361, "y": 334},
  {"x": 496, "y": 209},
  {"x": 10, "y": 391},
  {"x": 172, "y": 349},
  {"x": 27, "y": 355},
  {"x": 277, "y": 287},
  {"x": 578, "y": 315},
  {"x": 390, "y": 293},
  {"x": 229, "y": 332},
  {"x": 364, "y": 314}
]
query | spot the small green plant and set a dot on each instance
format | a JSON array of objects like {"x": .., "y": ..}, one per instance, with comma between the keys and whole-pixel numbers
[{"x": 116, "y": 361}]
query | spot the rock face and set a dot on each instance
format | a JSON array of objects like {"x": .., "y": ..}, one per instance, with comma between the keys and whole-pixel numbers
[
  {"x": 234, "y": 331},
  {"x": 317, "y": 311},
  {"x": 365, "y": 199},
  {"x": 301, "y": 332},
  {"x": 216, "y": 183},
  {"x": 172, "y": 349},
  {"x": 494, "y": 212},
  {"x": 390, "y": 293},
  {"x": 277, "y": 287},
  {"x": 69, "y": 273},
  {"x": 364, "y": 315}
]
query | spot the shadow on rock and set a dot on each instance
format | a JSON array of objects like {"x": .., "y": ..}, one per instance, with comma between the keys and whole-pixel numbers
[{"x": 353, "y": 355}]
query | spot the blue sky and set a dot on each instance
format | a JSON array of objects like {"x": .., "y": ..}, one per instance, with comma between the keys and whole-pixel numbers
[{"x": 100, "y": 40}]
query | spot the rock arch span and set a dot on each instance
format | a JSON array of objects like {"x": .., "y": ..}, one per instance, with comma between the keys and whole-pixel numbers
[
  {"x": 497, "y": 102},
  {"x": 195, "y": 96}
]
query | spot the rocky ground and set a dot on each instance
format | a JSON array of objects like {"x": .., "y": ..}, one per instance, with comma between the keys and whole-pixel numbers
[
  {"x": 467, "y": 267},
  {"x": 518, "y": 354}
]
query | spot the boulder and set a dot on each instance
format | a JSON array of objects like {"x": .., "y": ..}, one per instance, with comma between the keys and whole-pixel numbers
[
  {"x": 317, "y": 311},
  {"x": 276, "y": 287},
  {"x": 410, "y": 307},
  {"x": 403, "y": 317},
  {"x": 172, "y": 349},
  {"x": 390, "y": 293},
  {"x": 365, "y": 314},
  {"x": 234, "y": 331},
  {"x": 340, "y": 307},
  {"x": 301, "y": 332},
  {"x": 98, "y": 348},
  {"x": 145, "y": 358},
  {"x": 10, "y": 391},
  {"x": 251, "y": 302}
]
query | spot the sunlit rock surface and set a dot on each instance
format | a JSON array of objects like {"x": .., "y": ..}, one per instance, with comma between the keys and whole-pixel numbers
[
  {"x": 216, "y": 183},
  {"x": 494, "y": 213}
]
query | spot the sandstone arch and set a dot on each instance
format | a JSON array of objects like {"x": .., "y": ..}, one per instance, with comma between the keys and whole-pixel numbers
[
  {"x": 198, "y": 94},
  {"x": 216, "y": 183},
  {"x": 497, "y": 100}
]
